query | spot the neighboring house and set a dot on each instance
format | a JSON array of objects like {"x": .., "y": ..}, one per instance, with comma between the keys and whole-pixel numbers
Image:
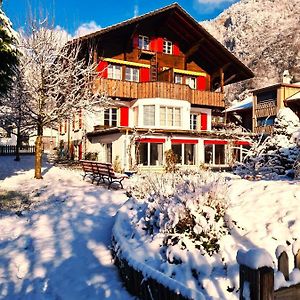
[
  {"x": 166, "y": 75},
  {"x": 269, "y": 100}
]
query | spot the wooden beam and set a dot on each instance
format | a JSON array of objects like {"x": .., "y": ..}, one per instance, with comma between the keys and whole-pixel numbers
[
  {"x": 229, "y": 79},
  {"x": 222, "y": 80},
  {"x": 193, "y": 48}
]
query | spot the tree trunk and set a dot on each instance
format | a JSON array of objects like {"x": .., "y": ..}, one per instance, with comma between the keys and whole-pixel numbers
[
  {"x": 38, "y": 154},
  {"x": 18, "y": 144}
]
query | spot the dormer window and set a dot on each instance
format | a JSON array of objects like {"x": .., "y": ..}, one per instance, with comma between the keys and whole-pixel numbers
[
  {"x": 167, "y": 47},
  {"x": 144, "y": 42}
]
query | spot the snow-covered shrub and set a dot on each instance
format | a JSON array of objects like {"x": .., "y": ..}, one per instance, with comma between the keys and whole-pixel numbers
[
  {"x": 278, "y": 153},
  {"x": 184, "y": 208}
]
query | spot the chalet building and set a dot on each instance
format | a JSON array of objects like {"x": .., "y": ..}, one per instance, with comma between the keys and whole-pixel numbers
[{"x": 166, "y": 75}]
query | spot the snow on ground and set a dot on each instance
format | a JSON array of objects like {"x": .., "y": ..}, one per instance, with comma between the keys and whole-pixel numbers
[
  {"x": 266, "y": 214},
  {"x": 60, "y": 249}
]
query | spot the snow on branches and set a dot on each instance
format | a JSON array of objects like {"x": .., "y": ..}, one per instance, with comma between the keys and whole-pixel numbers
[{"x": 184, "y": 207}]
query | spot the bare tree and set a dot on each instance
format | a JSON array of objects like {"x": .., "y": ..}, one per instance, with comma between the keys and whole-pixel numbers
[
  {"x": 12, "y": 111},
  {"x": 58, "y": 80}
]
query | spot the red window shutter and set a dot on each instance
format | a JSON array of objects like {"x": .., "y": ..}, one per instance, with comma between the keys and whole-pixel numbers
[
  {"x": 144, "y": 74},
  {"x": 102, "y": 69},
  {"x": 243, "y": 143},
  {"x": 203, "y": 121},
  {"x": 152, "y": 45},
  {"x": 80, "y": 119},
  {"x": 201, "y": 83},
  {"x": 135, "y": 41},
  {"x": 159, "y": 44},
  {"x": 176, "y": 50},
  {"x": 124, "y": 116}
]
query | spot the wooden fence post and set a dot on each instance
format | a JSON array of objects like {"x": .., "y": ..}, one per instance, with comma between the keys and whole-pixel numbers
[
  {"x": 297, "y": 259},
  {"x": 256, "y": 275},
  {"x": 283, "y": 265},
  {"x": 260, "y": 283}
]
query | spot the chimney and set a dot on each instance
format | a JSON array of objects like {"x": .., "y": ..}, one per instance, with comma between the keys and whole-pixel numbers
[{"x": 286, "y": 77}]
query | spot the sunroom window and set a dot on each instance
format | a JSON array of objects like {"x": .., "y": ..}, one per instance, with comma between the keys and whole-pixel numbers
[
  {"x": 149, "y": 115},
  {"x": 170, "y": 116},
  {"x": 151, "y": 154}
]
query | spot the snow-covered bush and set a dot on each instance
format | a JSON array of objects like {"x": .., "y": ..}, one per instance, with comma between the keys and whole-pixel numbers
[
  {"x": 184, "y": 208},
  {"x": 278, "y": 153}
]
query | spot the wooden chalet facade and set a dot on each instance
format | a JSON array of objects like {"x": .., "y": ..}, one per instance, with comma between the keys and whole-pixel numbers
[{"x": 166, "y": 75}]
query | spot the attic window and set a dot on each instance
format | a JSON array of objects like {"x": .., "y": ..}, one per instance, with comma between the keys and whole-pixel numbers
[
  {"x": 167, "y": 47},
  {"x": 144, "y": 42}
]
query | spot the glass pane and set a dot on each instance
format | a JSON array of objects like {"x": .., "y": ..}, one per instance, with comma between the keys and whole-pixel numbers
[
  {"x": 149, "y": 115},
  {"x": 156, "y": 154},
  {"x": 176, "y": 148},
  {"x": 143, "y": 154},
  {"x": 127, "y": 74},
  {"x": 163, "y": 116},
  {"x": 177, "y": 117},
  {"x": 178, "y": 78},
  {"x": 208, "y": 153},
  {"x": 219, "y": 154},
  {"x": 169, "y": 116},
  {"x": 118, "y": 72},
  {"x": 189, "y": 154}
]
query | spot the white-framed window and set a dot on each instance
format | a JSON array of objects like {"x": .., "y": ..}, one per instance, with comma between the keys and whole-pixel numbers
[
  {"x": 144, "y": 42},
  {"x": 149, "y": 115},
  {"x": 167, "y": 47},
  {"x": 170, "y": 116},
  {"x": 132, "y": 74},
  {"x": 193, "y": 121},
  {"x": 178, "y": 78},
  {"x": 151, "y": 154},
  {"x": 192, "y": 82},
  {"x": 214, "y": 154},
  {"x": 185, "y": 153},
  {"x": 110, "y": 117},
  {"x": 114, "y": 71}
]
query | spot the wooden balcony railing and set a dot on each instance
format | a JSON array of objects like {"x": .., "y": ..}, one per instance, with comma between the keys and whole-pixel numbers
[
  {"x": 135, "y": 90},
  {"x": 268, "y": 129},
  {"x": 266, "y": 109}
]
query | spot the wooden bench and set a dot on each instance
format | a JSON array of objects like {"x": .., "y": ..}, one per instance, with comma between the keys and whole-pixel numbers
[{"x": 101, "y": 171}]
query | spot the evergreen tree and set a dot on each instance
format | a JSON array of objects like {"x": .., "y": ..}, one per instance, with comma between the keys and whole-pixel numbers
[{"x": 8, "y": 52}]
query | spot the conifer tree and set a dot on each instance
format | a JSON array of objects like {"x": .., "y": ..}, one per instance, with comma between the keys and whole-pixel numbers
[{"x": 8, "y": 52}]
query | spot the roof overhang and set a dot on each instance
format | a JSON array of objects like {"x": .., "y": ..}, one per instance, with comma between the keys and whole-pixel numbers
[{"x": 194, "y": 40}]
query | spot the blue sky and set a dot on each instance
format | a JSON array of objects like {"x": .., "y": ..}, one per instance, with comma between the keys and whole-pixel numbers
[{"x": 91, "y": 14}]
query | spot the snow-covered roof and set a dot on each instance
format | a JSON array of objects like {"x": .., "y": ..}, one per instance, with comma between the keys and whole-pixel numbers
[{"x": 241, "y": 105}]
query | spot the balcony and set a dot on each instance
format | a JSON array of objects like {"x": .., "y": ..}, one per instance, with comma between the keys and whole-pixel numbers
[
  {"x": 155, "y": 89},
  {"x": 268, "y": 129}
]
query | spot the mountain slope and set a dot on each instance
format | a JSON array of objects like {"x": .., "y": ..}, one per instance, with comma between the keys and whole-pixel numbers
[{"x": 265, "y": 35}]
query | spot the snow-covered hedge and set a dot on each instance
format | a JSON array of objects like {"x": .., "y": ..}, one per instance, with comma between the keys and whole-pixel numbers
[
  {"x": 172, "y": 226},
  {"x": 184, "y": 206}
]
